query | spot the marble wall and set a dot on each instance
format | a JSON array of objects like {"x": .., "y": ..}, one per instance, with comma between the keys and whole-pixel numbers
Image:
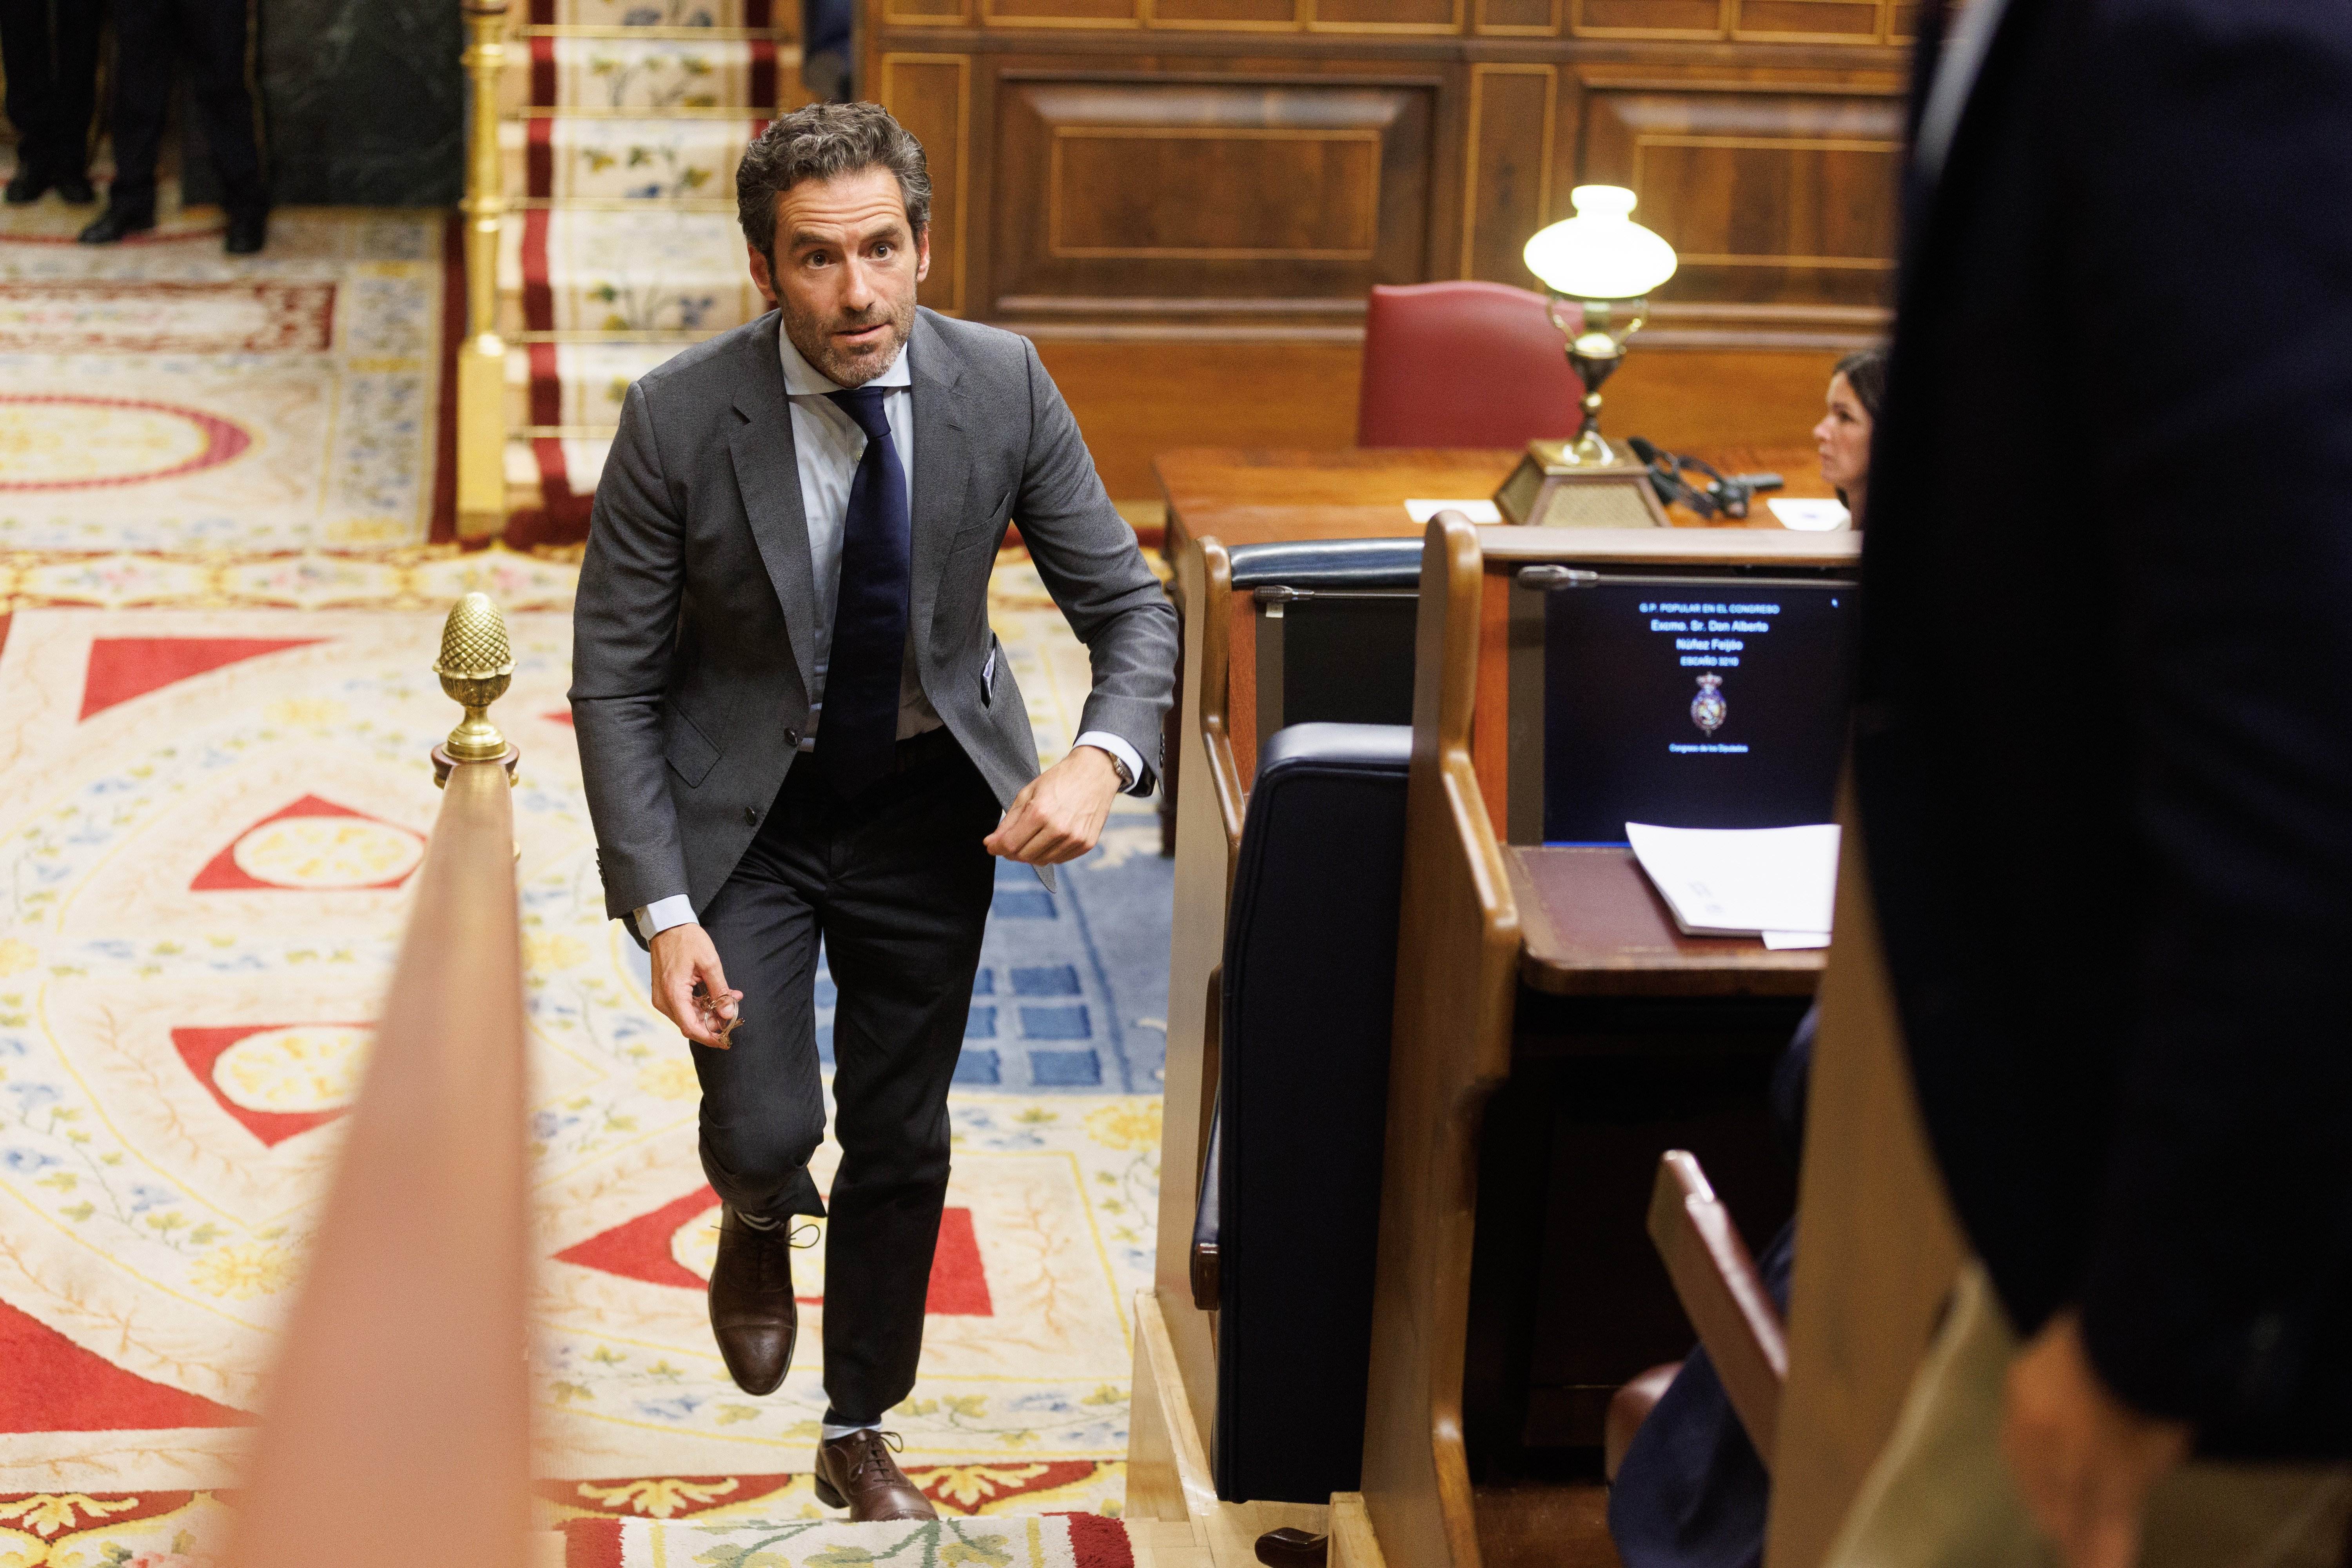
[{"x": 364, "y": 100}]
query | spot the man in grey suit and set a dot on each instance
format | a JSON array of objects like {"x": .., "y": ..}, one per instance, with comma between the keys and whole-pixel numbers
[{"x": 794, "y": 724}]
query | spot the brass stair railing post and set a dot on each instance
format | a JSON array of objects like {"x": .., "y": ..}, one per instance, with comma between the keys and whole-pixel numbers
[
  {"x": 482, "y": 361},
  {"x": 476, "y": 664},
  {"x": 399, "y": 1403}
]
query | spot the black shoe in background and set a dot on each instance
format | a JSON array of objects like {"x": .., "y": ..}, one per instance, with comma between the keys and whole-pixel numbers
[
  {"x": 75, "y": 190},
  {"x": 114, "y": 223},
  {"x": 247, "y": 232},
  {"x": 24, "y": 188}
]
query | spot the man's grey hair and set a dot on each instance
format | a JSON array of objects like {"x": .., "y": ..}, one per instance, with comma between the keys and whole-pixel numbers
[{"x": 823, "y": 141}]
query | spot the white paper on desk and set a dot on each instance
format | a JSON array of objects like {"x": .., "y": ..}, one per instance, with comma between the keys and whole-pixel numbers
[
  {"x": 1476, "y": 510},
  {"x": 1742, "y": 881},
  {"x": 1781, "y": 941},
  {"x": 1812, "y": 514}
]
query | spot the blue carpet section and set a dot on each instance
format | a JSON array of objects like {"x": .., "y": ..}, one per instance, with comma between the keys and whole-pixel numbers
[{"x": 1072, "y": 992}]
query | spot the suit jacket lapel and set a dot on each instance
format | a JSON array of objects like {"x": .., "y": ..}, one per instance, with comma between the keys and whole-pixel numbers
[
  {"x": 767, "y": 472},
  {"x": 942, "y": 470}
]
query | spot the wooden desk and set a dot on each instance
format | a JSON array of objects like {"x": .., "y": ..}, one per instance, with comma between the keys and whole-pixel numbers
[
  {"x": 1259, "y": 496},
  {"x": 1627, "y": 1038},
  {"x": 1248, "y": 496},
  {"x": 1591, "y": 925}
]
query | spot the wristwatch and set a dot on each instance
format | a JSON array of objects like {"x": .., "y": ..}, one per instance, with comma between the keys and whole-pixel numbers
[{"x": 1125, "y": 779}]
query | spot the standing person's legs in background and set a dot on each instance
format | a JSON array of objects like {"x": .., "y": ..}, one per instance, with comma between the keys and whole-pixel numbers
[
  {"x": 828, "y": 30},
  {"x": 144, "y": 48},
  {"x": 49, "y": 49},
  {"x": 216, "y": 39}
]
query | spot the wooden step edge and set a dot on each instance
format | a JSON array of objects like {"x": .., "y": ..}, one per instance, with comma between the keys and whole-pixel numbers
[
  {"x": 614, "y": 204},
  {"x": 721, "y": 114},
  {"x": 1164, "y": 1434},
  {"x": 596, "y": 335},
  {"x": 665, "y": 35}
]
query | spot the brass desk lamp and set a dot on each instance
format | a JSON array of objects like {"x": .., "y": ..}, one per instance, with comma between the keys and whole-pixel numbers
[{"x": 1606, "y": 264}]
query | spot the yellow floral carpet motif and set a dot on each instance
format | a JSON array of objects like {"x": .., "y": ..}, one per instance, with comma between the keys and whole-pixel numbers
[{"x": 160, "y": 395}]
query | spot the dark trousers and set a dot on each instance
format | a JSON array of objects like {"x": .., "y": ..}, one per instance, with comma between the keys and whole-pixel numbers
[
  {"x": 49, "y": 50},
  {"x": 211, "y": 38},
  {"x": 898, "y": 885}
]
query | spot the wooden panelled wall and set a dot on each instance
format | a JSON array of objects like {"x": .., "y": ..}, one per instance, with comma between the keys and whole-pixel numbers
[{"x": 1197, "y": 175}]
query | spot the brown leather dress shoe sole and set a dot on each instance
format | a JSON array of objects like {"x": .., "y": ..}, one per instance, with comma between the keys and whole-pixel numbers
[
  {"x": 752, "y": 1313},
  {"x": 856, "y": 1472}
]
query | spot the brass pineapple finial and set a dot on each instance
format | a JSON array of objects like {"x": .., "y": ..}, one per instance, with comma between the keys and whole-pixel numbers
[{"x": 476, "y": 665}]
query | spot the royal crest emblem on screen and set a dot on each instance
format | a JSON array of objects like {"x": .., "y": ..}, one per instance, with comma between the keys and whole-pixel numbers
[{"x": 1708, "y": 709}]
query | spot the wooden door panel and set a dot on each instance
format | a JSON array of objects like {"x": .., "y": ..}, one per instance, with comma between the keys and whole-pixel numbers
[
  {"x": 1237, "y": 15},
  {"x": 930, "y": 94},
  {"x": 1062, "y": 14},
  {"x": 1507, "y": 184},
  {"x": 1132, "y": 189},
  {"x": 1385, "y": 16},
  {"x": 1767, "y": 196},
  {"x": 1646, "y": 18},
  {"x": 1806, "y": 21}
]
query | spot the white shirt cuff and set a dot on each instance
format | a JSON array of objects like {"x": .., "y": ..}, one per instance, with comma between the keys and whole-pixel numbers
[
  {"x": 1138, "y": 782},
  {"x": 657, "y": 917}
]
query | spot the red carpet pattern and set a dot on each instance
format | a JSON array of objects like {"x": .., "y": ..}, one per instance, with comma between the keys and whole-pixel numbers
[
  {"x": 159, "y": 395},
  {"x": 211, "y": 810}
]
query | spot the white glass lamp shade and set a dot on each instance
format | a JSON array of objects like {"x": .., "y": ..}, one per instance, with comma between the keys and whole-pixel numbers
[{"x": 1600, "y": 253}]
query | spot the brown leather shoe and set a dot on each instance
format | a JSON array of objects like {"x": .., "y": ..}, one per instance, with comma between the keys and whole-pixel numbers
[
  {"x": 752, "y": 1312},
  {"x": 857, "y": 1473}
]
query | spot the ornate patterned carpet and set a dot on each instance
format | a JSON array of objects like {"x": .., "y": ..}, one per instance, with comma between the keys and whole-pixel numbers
[
  {"x": 159, "y": 395},
  {"x": 212, "y": 795}
]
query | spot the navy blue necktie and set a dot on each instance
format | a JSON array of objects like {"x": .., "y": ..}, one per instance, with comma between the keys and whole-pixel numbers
[{"x": 859, "y": 733}]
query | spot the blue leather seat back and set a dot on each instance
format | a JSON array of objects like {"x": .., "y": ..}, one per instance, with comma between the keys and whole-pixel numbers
[
  {"x": 1302, "y": 1112},
  {"x": 1334, "y": 629}
]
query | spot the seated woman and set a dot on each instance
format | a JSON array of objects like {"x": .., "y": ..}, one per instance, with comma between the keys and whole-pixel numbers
[{"x": 1857, "y": 392}]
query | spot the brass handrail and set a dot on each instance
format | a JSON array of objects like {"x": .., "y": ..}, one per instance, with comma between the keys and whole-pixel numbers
[
  {"x": 398, "y": 1411},
  {"x": 482, "y": 358}
]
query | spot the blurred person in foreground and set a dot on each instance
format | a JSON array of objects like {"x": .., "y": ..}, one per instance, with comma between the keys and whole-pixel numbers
[{"x": 2104, "y": 794}]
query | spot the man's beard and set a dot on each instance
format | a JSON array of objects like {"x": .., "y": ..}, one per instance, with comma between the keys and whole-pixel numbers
[{"x": 813, "y": 335}]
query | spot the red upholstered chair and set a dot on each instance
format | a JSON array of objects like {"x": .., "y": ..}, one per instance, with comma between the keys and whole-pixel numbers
[{"x": 1464, "y": 364}]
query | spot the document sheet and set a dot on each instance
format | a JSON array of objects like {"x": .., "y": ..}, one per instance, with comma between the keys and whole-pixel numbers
[
  {"x": 1476, "y": 509},
  {"x": 1779, "y": 883}
]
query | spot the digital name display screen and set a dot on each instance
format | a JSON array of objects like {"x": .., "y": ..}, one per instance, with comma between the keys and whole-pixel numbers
[{"x": 1706, "y": 703}]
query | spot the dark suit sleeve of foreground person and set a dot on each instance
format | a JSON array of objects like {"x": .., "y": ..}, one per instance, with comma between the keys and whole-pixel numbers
[{"x": 2214, "y": 270}]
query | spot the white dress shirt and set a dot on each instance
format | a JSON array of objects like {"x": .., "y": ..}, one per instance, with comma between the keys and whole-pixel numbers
[{"x": 829, "y": 445}]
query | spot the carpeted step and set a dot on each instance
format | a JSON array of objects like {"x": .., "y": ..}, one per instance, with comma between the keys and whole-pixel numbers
[
  {"x": 993, "y": 1540},
  {"x": 550, "y": 483},
  {"x": 575, "y": 386},
  {"x": 562, "y": 401},
  {"x": 621, "y": 75},
  {"x": 667, "y": 159},
  {"x": 657, "y": 269},
  {"x": 755, "y": 15}
]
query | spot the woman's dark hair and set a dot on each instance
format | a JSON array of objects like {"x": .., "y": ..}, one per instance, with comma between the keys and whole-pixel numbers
[
  {"x": 1865, "y": 371},
  {"x": 823, "y": 141}
]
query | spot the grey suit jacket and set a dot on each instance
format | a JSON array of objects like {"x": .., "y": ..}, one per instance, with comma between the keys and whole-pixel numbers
[{"x": 693, "y": 631}]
